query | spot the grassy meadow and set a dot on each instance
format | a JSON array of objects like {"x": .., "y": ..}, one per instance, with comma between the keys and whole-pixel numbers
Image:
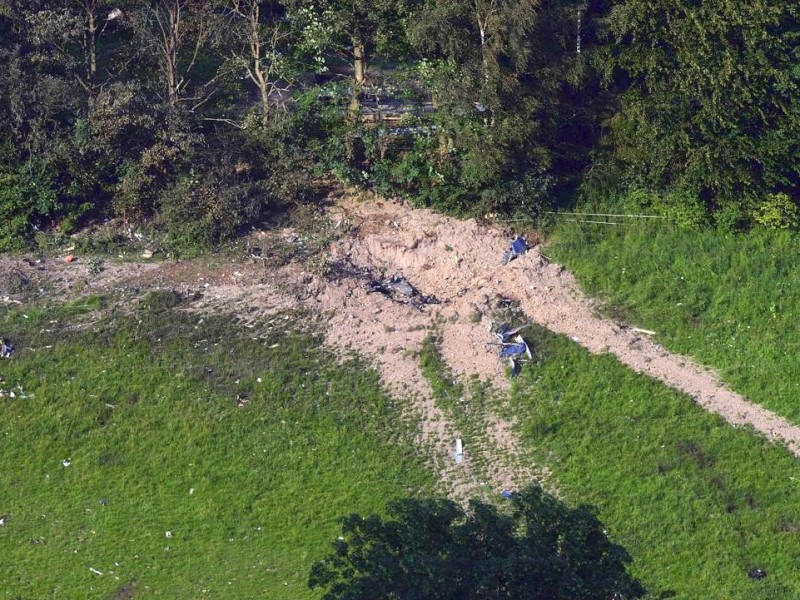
[
  {"x": 730, "y": 301},
  {"x": 697, "y": 503},
  {"x": 158, "y": 452},
  {"x": 177, "y": 455}
]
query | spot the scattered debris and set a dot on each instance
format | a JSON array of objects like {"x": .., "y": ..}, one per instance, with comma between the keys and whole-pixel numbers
[
  {"x": 147, "y": 254},
  {"x": 66, "y": 462},
  {"x": 459, "y": 453},
  {"x": 506, "y": 494},
  {"x": 69, "y": 258},
  {"x": 10, "y": 393},
  {"x": 95, "y": 571},
  {"x": 95, "y": 266},
  {"x": 756, "y": 574},
  {"x": 512, "y": 346},
  {"x": 644, "y": 331},
  {"x": 398, "y": 289},
  {"x": 504, "y": 302},
  {"x": 6, "y": 348},
  {"x": 3, "y": 520},
  {"x": 104, "y": 501},
  {"x": 518, "y": 247},
  {"x": 168, "y": 534}
]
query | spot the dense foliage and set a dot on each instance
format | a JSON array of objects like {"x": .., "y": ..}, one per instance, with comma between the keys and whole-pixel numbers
[
  {"x": 708, "y": 97},
  {"x": 203, "y": 116},
  {"x": 539, "y": 549}
]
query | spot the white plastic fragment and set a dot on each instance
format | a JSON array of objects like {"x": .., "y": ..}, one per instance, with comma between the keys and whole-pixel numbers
[{"x": 459, "y": 451}]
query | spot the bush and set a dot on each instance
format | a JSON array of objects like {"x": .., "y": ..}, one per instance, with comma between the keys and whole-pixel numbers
[
  {"x": 685, "y": 209},
  {"x": 199, "y": 214},
  {"x": 24, "y": 200},
  {"x": 778, "y": 211}
]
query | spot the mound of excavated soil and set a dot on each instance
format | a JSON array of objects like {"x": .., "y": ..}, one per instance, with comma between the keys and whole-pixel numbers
[{"x": 460, "y": 264}]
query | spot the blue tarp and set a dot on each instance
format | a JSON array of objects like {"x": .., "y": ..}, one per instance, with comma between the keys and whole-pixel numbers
[
  {"x": 518, "y": 247},
  {"x": 513, "y": 350}
]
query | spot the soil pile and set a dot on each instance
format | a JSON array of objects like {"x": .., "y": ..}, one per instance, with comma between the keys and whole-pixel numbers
[{"x": 459, "y": 265}]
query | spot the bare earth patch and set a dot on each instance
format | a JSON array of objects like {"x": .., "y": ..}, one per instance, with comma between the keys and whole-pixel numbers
[{"x": 459, "y": 262}]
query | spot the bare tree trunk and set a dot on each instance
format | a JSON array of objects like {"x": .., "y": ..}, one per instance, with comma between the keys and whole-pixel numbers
[
  {"x": 259, "y": 77},
  {"x": 359, "y": 62},
  {"x": 171, "y": 39},
  {"x": 168, "y": 17},
  {"x": 262, "y": 42},
  {"x": 360, "y": 68},
  {"x": 91, "y": 20}
]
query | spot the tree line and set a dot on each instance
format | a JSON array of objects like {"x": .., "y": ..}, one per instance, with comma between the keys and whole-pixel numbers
[{"x": 202, "y": 116}]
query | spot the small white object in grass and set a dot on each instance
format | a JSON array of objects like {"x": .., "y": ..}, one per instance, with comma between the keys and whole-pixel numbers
[
  {"x": 168, "y": 534},
  {"x": 95, "y": 571},
  {"x": 191, "y": 491},
  {"x": 258, "y": 380},
  {"x": 459, "y": 451},
  {"x": 66, "y": 462}
]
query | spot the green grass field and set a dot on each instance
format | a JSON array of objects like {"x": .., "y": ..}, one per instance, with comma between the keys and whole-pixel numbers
[
  {"x": 144, "y": 408},
  {"x": 730, "y": 301},
  {"x": 697, "y": 503}
]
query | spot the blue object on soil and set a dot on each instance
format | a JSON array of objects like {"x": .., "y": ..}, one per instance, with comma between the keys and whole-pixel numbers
[
  {"x": 513, "y": 350},
  {"x": 6, "y": 348},
  {"x": 518, "y": 247}
]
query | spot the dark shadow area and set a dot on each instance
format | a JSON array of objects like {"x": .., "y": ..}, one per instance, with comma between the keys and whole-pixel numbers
[{"x": 533, "y": 547}]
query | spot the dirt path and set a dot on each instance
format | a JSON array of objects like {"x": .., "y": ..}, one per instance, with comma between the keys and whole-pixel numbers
[
  {"x": 460, "y": 260},
  {"x": 460, "y": 263}
]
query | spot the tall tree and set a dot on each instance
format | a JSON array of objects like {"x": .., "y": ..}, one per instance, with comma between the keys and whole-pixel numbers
[
  {"x": 355, "y": 31},
  {"x": 501, "y": 75},
  {"x": 710, "y": 95},
  {"x": 260, "y": 39},
  {"x": 68, "y": 31},
  {"x": 175, "y": 31}
]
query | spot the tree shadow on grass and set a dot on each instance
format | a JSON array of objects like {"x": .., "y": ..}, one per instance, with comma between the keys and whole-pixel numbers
[{"x": 535, "y": 547}]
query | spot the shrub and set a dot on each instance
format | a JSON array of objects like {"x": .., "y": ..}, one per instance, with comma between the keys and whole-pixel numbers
[
  {"x": 777, "y": 211},
  {"x": 24, "y": 200}
]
